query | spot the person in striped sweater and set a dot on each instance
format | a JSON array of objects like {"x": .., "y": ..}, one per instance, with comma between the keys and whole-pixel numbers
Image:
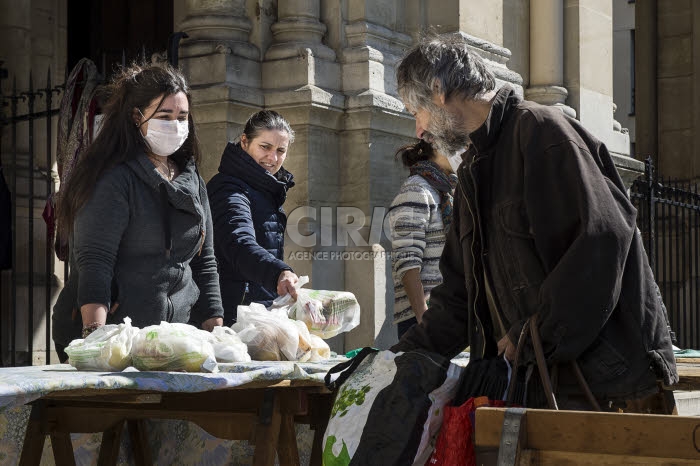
[{"x": 419, "y": 217}]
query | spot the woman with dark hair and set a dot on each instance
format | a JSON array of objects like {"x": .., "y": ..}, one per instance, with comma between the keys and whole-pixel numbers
[
  {"x": 419, "y": 217},
  {"x": 137, "y": 215},
  {"x": 246, "y": 199}
]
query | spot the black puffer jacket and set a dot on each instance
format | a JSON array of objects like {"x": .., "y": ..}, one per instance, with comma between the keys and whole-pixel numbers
[
  {"x": 542, "y": 212},
  {"x": 249, "y": 222}
]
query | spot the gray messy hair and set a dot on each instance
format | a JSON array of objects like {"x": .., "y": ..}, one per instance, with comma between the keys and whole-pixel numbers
[{"x": 442, "y": 64}]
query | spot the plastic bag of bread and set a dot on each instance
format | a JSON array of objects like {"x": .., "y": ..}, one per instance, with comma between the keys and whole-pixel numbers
[
  {"x": 311, "y": 347},
  {"x": 325, "y": 313},
  {"x": 173, "y": 347},
  {"x": 108, "y": 348},
  {"x": 228, "y": 346},
  {"x": 269, "y": 335}
]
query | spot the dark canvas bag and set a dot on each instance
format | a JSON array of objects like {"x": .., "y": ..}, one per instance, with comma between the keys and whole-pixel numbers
[{"x": 384, "y": 405}]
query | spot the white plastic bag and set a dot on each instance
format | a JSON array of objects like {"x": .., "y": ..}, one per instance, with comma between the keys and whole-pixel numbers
[
  {"x": 228, "y": 346},
  {"x": 173, "y": 347},
  {"x": 269, "y": 335},
  {"x": 311, "y": 347},
  {"x": 108, "y": 348},
  {"x": 325, "y": 313}
]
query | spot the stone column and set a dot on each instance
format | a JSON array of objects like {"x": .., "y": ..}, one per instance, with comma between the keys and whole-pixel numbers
[
  {"x": 483, "y": 32},
  {"x": 588, "y": 77},
  {"x": 375, "y": 126},
  {"x": 547, "y": 55},
  {"x": 588, "y": 69},
  {"x": 224, "y": 71},
  {"x": 301, "y": 80}
]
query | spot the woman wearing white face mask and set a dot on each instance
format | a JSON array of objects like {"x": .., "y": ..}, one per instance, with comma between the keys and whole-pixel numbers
[{"x": 138, "y": 216}]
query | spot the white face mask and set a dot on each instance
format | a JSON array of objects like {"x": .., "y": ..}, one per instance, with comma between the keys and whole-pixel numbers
[
  {"x": 166, "y": 136},
  {"x": 455, "y": 160}
]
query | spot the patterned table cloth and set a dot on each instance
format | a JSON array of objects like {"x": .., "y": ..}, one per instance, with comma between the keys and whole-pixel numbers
[{"x": 172, "y": 442}]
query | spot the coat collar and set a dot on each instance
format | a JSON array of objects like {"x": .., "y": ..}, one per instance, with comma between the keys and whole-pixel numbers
[
  {"x": 182, "y": 191},
  {"x": 237, "y": 163},
  {"x": 485, "y": 136}
]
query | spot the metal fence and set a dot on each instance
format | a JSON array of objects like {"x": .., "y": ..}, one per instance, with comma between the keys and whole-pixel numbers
[
  {"x": 31, "y": 112},
  {"x": 669, "y": 219},
  {"x": 27, "y": 119}
]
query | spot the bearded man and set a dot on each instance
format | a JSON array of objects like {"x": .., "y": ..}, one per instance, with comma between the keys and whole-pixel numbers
[{"x": 542, "y": 226}]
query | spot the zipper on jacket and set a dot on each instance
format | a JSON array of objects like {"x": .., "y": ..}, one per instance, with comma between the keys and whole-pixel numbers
[
  {"x": 245, "y": 293},
  {"x": 171, "y": 310},
  {"x": 171, "y": 305},
  {"x": 471, "y": 249},
  {"x": 201, "y": 245}
]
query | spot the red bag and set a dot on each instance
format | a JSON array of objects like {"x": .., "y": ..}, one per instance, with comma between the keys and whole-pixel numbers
[{"x": 455, "y": 443}]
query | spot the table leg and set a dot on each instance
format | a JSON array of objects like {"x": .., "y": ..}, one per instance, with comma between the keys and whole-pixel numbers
[
  {"x": 139, "y": 442},
  {"x": 267, "y": 431},
  {"x": 62, "y": 448},
  {"x": 109, "y": 449},
  {"x": 35, "y": 436},
  {"x": 320, "y": 412},
  {"x": 287, "y": 450}
]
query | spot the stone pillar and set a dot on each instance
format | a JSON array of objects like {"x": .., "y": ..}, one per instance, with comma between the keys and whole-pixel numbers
[
  {"x": 588, "y": 77},
  {"x": 547, "y": 55},
  {"x": 645, "y": 67},
  {"x": 301, "y": 80},
  {"x": 374, "y": 329},
  {"x": 224, "y": 71},
  {"x": 375, "y": 126},
  {"x": 588, "y": 72},
  {"x": 483, "y": 32}
]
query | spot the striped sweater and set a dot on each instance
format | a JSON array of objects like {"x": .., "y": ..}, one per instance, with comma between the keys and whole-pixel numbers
[{"x": 417, "y": 239}]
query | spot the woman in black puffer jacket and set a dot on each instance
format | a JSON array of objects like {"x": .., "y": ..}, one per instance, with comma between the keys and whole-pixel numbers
[{"x": 246, "y": 198}]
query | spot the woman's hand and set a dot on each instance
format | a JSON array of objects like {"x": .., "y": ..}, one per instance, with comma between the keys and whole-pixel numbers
[
  {"x": 209, "y": 324},
  {"x": 286, "y": 282}
]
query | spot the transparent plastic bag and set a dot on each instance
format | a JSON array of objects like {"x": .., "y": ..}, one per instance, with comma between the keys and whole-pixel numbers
[
  {"x": 269, "y": 335},
  {"x": 173, "y": 347},
  {"x": 311, "y": 347},
  {"x": 108, "y": 348},
  {"x": 228, "y": 346},
  {"x": 325, "y": 313}
]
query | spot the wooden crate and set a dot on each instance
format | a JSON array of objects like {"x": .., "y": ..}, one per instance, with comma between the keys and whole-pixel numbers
[{"x": 590, "y": 438}]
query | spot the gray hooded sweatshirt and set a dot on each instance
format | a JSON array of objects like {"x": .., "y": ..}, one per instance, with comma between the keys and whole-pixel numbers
[{"x": 146, "y": 244}]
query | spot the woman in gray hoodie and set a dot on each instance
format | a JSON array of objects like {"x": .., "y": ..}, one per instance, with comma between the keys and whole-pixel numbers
[{"x": 137, "y": 215}]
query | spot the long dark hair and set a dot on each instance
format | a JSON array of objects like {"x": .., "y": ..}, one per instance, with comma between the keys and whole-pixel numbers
[
  {"x": 414, "y": 153},
  {"x": 119, "y": 139}
]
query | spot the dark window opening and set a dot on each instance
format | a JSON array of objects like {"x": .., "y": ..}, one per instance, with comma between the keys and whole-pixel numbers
[
  {"x": 112, "y": 32},
  {"x": 631, "y": 72}
]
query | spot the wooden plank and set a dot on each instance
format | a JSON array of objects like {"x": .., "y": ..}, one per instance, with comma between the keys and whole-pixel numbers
[
  {"x": 604, "y": 433},
  {"x": 560, "y": 458},
  {"x": 688, "y": 375},
  {"x": 139, "y": 442},
  {"x": 34, "y": 436},
  {"x": 687, "y": 360},
  {"x": 86, "y": 419},
  {"x": 109, "y": 449},
  {"x": 266, "y": 433},
  {"x": 62, "y": 448},
  {"x": 309, "y": 386},
  {"x": 287, "y": 449}
]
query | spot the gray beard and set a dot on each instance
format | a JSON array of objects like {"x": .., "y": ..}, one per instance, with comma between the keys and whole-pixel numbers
[
  {"x": 448, "y": 135},
  {"x": 451, "y": 143}
]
